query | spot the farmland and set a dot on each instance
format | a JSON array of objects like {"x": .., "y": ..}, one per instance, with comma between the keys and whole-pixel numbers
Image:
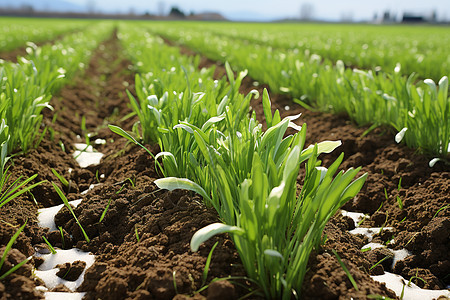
[{"x": 235, "y": 160}]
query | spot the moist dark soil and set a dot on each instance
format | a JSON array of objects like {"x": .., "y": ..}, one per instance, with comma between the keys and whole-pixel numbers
[{"x": 142, "y": 243}]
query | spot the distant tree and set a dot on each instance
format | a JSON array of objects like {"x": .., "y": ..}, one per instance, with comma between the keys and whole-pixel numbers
[
  {"x": 176, "y": 12},
  {"x": 306, "y": 12}
]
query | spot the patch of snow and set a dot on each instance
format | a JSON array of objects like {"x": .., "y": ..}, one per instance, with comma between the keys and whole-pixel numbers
[
  {"x": 100, "y": 141},
  {"x": 400, "y": 255},
  {"x": 46, "y": 216},
  {"x": 412, "y": 292},
  {"x": 357, "y": 217},
  {"x": 47, "y": 271},
  {"x": 65, "y": 296},
  {"x": 86, "y": 155},
  {"x": 372, "y": 246},
  {"x": 369, "y": 232}
]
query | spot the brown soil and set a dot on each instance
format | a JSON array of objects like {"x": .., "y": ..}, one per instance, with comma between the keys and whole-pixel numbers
[{"x": 142, "y": 244}]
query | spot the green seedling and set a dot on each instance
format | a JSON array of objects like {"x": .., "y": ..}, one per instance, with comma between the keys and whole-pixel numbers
[
  {"x": 344, "y": 267},
  {"x": 32, "y": 197},
  {"x": 175, "y": 287},
  {"x": 50, "y": 247},
  {"x": 67, "y": 272},
  {"x": 416, "y": 277},
  {"x": 66, "y": 203},
  {"x": 62, "y": 236},
  {"x": 378, "y": 297},
  {"x": 384, "y": 224},
  {"x": 63, "y": 148},
  {"x": 60, "y": 177},
  {"x": 400, "y": 202},
  {"x": 126, "y": 135},
  {"x": 105, "y": 210},
  {"x": 7, "y": 249},
  {"x": 136, "y": 233},
  {"x": 208, "y": 262},
  {"x": 362, "y": 220},
  {"x": 379, "y": 262},
  {"x": 441, "y": 209},
  {"x": 15, "y": 189},
  {"x": 41, "y": 137}
]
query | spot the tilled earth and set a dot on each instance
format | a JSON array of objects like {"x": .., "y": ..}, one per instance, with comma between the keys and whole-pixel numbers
[{"x": 142, "y": 244}]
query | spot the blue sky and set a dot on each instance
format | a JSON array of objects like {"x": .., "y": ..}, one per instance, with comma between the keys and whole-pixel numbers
[{"x": 267, "y": 9}]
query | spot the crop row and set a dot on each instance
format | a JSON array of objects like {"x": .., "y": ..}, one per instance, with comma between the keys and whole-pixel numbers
[
  {"x": 369, "y": 97},
  {"x": 16, "y": 31},
  {"x": 421, "y": 50},
  {"x": 211, "y": 146},
  {"x": 26, "y": 88}
]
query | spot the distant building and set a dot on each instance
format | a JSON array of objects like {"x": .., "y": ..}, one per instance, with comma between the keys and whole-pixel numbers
[
  {"x": 412, "y": 18},
  {"x": 387, "y": 17}
]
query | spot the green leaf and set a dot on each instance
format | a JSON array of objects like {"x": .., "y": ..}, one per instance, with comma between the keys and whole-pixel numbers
[
  {"x": 164, "y": 153},
  {"x": 174, "y": 183},
  {"x": 211, "y": 230},
  {"x": 207, "y": 264},
  {"x": 212, "y": 120},
  {"x": 354, "y": 188},
  {"x": 267, "y": 108},
  {"x": 122, "y": 133},
  {"x": 322, "y": 147},
  {"x": 274, "y": 253}
]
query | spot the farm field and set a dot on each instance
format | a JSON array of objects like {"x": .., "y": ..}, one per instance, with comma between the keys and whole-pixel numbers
[{"x": 158, "y": 101}]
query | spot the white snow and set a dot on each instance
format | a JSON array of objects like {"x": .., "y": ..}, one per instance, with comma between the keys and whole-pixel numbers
[
  {"x": 47, "y": 271},
  {"x": 86, "y": 155},
  {"x": 399, "y": 255},
  {"x": 369, "y": 232},
  {"x": 46, "y": 216},
  {"x": 372, "y": 246},
  {"x": 100, "y": 141},
  {"x": 65, "y": 296},
  {"x": 357, "y": 217},
  {"x": 412, "y": 292}
]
